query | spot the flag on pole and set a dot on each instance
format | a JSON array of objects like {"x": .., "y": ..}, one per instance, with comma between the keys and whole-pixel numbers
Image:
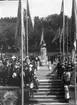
[
  {"x": 28, "y": 25},
  {"x": 62, "y": 8},
  {"x": 60, "y": 29},
  {"x": 57, "y": 35},
  {"x": 42, "y": 36},
  {"x": 61, "y": 14},
  {"x": 19, "y": 37},
  {"x": 63, "y": 27},
  {"x": 18, "y": 28},
  {"x": 74, "y": 29},
  {"x": 74, "y": 39},
  {"x": 74, "y": 25},
  {"x": 61, "y": 35},
  {"x": 42, "y": 42},
  {"x": 28, "y": 15}
]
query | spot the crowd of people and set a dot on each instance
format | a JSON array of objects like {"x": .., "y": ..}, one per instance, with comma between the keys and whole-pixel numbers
[
  {"x": 10, "y": 71},
  {"x": 65, "y": 72}
]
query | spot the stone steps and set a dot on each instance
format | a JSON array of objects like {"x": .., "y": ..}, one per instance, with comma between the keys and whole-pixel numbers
[{"x": 50, "y": 90}]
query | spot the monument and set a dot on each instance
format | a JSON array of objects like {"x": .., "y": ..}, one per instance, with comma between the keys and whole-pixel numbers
[{"x": 43, "y": 51}]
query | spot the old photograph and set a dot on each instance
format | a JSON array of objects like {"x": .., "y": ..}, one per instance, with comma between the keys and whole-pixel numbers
[{"x": 38, "y": 52}]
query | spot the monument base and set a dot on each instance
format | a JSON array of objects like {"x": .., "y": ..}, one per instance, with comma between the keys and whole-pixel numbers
[
  {"x": 43, "y": 56},
  {"x": 43, "y": 60}
]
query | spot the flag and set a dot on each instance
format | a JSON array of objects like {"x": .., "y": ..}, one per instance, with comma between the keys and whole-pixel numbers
[
  {"x": 74, "y": 39},
  {"x": 57, "y": 35},
  {"x": 28, "y": 25},
  {"x": 62, "y": 7},
  {"x": 74, "y": 25},
  {"x": 61, "y": 35},
  {"x": 18, "y": 28},
  {"x": 61, "y": 14},
  {"x": 19, "y": 37},
  {"x": 28, "y": 15},
  {"x": 60, "y": 29},
  {"x": 42, "y": 37}
]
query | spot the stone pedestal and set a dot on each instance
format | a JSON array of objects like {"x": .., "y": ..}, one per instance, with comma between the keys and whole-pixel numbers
[{"x": 43, "y": 56}]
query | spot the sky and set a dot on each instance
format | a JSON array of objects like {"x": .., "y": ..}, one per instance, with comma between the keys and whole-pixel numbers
[{"x": 41, "y": 8}]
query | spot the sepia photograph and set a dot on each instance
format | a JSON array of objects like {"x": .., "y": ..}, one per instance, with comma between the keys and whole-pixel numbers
[{"x": 38, "y": 52}]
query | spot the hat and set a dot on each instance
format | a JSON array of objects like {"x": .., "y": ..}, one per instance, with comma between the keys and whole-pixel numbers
[
  {"x": 0, "y": 61},
  {"x": 13, "y": 57}
]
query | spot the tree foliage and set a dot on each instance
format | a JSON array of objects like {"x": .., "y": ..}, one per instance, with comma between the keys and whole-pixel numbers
[{"x": 50, "y": 24}]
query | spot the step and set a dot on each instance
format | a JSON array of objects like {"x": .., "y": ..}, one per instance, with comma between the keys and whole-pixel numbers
[
  {"x": 48, "y": 80},
  {"x": 49, "y": 93},
  {"x": 47, "y": 100},
  {"x": 48, "y": 96},
  {"x": 46, "y": 103},
  {"x": 50, "y": 86},
  {"x": 57, "y": 103},
  {"x": 48, "y": 77},
  {"x": 50, "y": 90},
  {"x": 43, "y": 68},
  {"x": 50, "y": 83},
  {"x": 8, "y": 87},
  {"x": 45, "y": 72}
]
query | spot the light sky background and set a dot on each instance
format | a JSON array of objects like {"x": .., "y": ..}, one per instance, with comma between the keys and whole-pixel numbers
[{"x": 41, "y": 8}]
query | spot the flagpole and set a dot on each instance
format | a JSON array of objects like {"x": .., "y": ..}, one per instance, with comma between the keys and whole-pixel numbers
[
  {"x": 75, "y": 73},
  {"x": 74, "y": 12},
  {"x": 22, "y": 52},
  {"x": 76, "y": 47},
  {"x": 75, "y": 78},
  {"x": 67, "y": 36},
  {"x": 60, "y": 42},
  {"x": 60, "y": 50},
  {"x": 63, "y": 32},
  {"x": 27, "y": 25}
]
